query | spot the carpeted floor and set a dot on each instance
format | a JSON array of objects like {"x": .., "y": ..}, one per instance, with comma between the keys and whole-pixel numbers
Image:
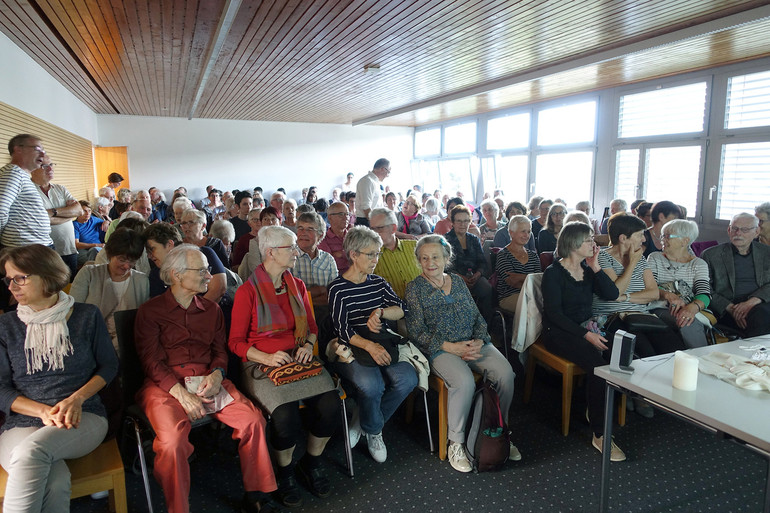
[{"x": 671, "y": 467}]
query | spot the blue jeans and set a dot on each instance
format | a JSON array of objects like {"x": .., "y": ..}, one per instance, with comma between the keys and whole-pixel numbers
[{"x": 379, "y": 390}]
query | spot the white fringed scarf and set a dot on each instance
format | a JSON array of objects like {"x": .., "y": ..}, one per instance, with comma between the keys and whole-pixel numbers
[{"x": 48, "y": 338}]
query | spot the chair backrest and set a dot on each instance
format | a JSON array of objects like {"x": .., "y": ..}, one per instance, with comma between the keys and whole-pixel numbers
[
  {"x": 700, "y": 247},
  {"x": 546, "y": 259},
  {"x": 131, "y": 372}
]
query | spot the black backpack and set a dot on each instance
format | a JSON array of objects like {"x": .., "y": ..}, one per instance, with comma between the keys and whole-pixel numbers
[{"x": 487, "y": 439}]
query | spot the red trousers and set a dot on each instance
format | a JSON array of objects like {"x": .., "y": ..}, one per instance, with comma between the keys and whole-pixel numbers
[{"x": 172, "y": 446}]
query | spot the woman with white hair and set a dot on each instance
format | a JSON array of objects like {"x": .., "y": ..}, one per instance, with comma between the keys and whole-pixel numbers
[
  {"x": 763, "y": 214},
  {"x": 514, "y": 262},
  {"x": 490, "y": 211},
  {"x": 361, "y": 305},
  {"x": 224, "y": 231},
  {"x": 683, "y": 281},
  {"x": 445, "y": 323},
  {"x": 102, "y": 208},
  {"x": 273, "y": 325},
  {"x": 193, "y": 224}
]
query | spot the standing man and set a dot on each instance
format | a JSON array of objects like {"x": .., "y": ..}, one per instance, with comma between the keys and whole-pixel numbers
[
  {"x": 23, "y": 218},
  {"x": 337, "y": 214},
  {"x": 739, "y": 272},
  {"x": 180, "y": 334},
  {"x": 62, "y": 208},
  {"x": 397, "y": 263},
  {"x": 369, "y": 191}
]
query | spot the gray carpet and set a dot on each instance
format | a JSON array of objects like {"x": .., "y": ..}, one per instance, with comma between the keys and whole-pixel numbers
[{"x": 671, "y": 467}]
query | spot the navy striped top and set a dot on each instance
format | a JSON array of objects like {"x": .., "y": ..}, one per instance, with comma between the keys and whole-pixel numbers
[
  {"x": 351, "y": 304},
  {"x": 602, "y": 306}
]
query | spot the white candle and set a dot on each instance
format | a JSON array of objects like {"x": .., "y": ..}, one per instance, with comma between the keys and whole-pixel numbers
[{"x": 685, "y": 371}]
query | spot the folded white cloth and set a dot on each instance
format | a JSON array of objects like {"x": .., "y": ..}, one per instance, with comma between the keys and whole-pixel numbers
[{"x": 737, "y": 370}]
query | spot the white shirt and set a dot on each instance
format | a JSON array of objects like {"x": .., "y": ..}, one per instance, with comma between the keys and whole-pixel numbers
[
  {"x": 368, "y": 194},
  {"x": 63, "y": 235}
]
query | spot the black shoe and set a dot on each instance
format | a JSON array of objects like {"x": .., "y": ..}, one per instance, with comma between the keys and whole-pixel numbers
[
  {"x": 288, "y": 492},
  {"x": 265, "y": 504},
  {"x": 315, "y": 480}
]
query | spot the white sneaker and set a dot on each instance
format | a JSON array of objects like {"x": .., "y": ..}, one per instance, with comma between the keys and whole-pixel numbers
[
  {"x": 377, "y": 447},
  {"x": 100, "y": 495},
  {"x": 457, "y": 457},
  {"x": 616, "y": 454},
  {"x": 354, "y": 429},
  {"x": 513, "y": 453}
]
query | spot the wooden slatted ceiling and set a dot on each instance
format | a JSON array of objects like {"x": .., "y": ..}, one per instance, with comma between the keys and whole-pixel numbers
[
  {"x": 73, "y": 155},
  {"x": 302, "y": 60}
]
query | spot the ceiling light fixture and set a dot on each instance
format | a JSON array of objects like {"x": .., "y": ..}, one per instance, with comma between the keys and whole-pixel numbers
[{"x": 372, "y": 69}]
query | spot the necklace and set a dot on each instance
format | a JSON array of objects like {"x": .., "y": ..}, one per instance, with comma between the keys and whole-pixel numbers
[
  {"x": 279, "y": 289},
  {"x": 436, "y": 285}
]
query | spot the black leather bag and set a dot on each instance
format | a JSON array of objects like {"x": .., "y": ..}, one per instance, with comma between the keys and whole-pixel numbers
[
  {"x": 387, "y": 338},
  {"x": 635, "y": 322}
]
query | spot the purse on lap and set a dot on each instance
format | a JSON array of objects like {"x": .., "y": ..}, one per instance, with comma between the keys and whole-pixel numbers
[{"x": 292, "y": 371}]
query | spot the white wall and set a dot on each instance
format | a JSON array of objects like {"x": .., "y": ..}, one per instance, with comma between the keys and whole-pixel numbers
[
  {"x": 30, "y": 88},
  {"x": 169, "y": 152}
]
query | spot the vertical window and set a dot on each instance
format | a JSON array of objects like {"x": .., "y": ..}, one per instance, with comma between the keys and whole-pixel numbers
[
  {"x": 672, "y": 174},
  {"x": 626, "y": 174},
  {"x": 460, "y": 139},
  {"x": 427, "y": 143},
  {"x": 512, "y": 176},
  {"x": 564, "y": 175},
  {"x": 456, "y": 176},
  {"x": 508, "y": 132},
  {"x": 744, "y": 178},
  {"x": 673, "y": 110},
  {"x": 748, "y": 101},
  {"x": 570, "y": 124}
]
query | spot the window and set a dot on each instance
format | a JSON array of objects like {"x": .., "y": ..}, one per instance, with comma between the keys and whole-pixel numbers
[
  {"x": 672, "y": 174},
  {"x": 744, "y": 178},
  {"x": 570, "y": 124},
  {"x": 511, "y": 176},
  {"x": 456, "y": 176},
  {"x": 508, "y": 132},
  {"x": 748, "y": 101},
  {"x": 626, "y": 174},
  {"x": 427, "y": 142},
  {"x": 460, "y": 139},
  {"x": 683, "y": 109},
  {"x": 565, "y": 175}
]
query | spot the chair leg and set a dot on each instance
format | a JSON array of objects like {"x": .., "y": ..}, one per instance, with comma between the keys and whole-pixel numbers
[
  {"x": 622, "y": 410},
  {"x": 567, "y": 381},
  {"x": 118, "y": 497},
  {"x": 143, "y": 463},
  {"x": 427, "y": 420},
  {"x": 443, "y": 396},
  {"x": 346, "y": 436},
  {"x": 409, "y": 404},
  {"x": 530, "y": 378},
  {"x": 505, "y": 340}
]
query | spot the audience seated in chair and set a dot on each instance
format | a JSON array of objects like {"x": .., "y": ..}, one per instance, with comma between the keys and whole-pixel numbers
[
  {"x": 447, "y": 326},
  {"x": 397, "y": 263},
  {"x": 514, "y": 262}
]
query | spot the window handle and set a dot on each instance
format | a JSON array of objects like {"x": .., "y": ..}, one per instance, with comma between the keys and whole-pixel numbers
[{"x": 712, "y": 190}]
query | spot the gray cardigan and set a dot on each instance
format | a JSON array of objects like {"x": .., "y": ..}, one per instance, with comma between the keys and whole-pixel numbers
[
  {"x": 91, "y": 285},
  {"x": 722, "y": 274}
]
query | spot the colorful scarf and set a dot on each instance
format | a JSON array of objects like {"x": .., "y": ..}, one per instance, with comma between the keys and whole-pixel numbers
[
  {"x": 407, "y": 220},
  {"x": 270, "y": 317}
]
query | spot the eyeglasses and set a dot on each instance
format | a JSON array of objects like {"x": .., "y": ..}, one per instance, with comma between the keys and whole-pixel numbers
[
  {"x": 337, "y": 214},
  {"x": 744, "y": 229},
  {"x": 19, "y": 280},
  {"x": 372, "y": 256},
  {"x": 380, "y": 228},
  {"x": 667, "y": 236},
  {"x": 462, "y": 221},
  {"x": 37, "y": 148},
  {"x": 48, "y": 167},
  {"x": 124, "y": 260},
  {"x": 185, "y": 223},
  {"x": 202, "y": 271},
  {"x": 560, "y": 213},
  {"x": 590, "y": 239},
  {"x": 291, "y": 248}
]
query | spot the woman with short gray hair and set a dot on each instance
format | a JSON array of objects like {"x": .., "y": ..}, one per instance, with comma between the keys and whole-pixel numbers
[
  {"x": 514, "y": 262},
  {"x": 446, "y": 324},
  {"x": 683, "y": 281},
  {"x": 362, "y": 304},
  {"x": 224, "y": 231},
  {"x": 762, "y": 212},
  {"x": 490, "y": 212},
  {"x": 193, "y": 224}
]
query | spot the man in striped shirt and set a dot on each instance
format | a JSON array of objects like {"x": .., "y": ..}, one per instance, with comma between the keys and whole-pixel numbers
[
  {"x": 23, "y": 218},
  {"x": 398, "y": 263},
  {"x": 315, "y": 267}
]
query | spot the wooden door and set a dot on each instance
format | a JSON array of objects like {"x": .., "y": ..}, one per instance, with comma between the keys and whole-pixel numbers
[{"x": 111, "y": 159}]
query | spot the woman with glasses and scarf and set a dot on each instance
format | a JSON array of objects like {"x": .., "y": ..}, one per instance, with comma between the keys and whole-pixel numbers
[
  {"x": 411, "y": 224},
  {"x": 55, "y": 355},
  {"x": 273, "y": 325},
  {"x": 361, "y": 305}
]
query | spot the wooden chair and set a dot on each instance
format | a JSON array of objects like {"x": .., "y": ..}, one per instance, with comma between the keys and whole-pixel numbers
[
  {"x": 100, "y": 470},
  {"x": 569, "y": 371}
]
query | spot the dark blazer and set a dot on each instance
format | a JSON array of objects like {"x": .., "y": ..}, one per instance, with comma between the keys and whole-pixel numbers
[{"x": 722, "y": 274}]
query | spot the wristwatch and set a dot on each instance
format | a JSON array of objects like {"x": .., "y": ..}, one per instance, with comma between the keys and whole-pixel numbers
[
  {"x": 220, "y": 369},
  {"x": 55, "y": 213}
]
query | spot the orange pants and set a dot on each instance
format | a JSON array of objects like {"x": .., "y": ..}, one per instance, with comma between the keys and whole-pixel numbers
[{"x": 173, "y": 448}]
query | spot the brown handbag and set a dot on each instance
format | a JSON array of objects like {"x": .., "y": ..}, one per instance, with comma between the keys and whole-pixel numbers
[{"x": 292, "y": 371}]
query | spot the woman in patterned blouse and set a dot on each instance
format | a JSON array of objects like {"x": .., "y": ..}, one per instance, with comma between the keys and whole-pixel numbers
[{"x": 447, "y": 326}]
